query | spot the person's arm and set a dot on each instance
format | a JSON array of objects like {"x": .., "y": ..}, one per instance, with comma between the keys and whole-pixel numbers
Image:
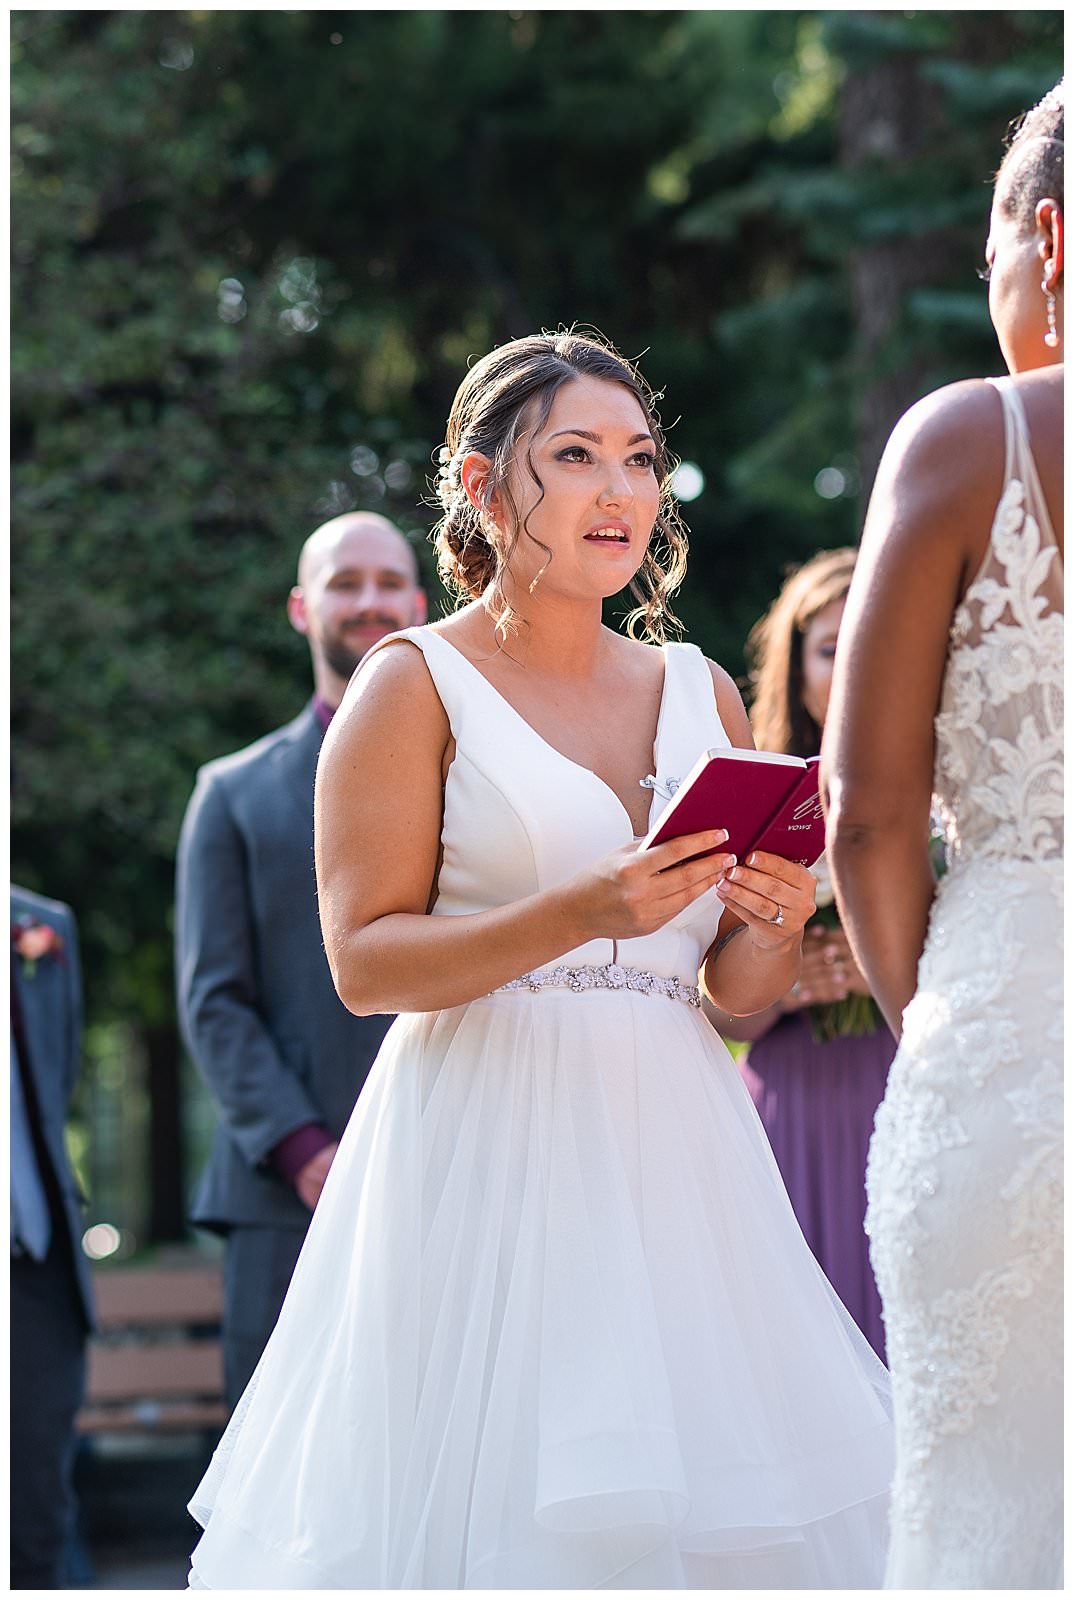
[
  {"x": 925, "y": 534},
  {"x": 378, "y": 811},
  {"x": 259, "y": 1097},
  {"x": 752, "y": 962},
  {"x": 744, "y": 1030},
  {"x": 828, "y": 973}
]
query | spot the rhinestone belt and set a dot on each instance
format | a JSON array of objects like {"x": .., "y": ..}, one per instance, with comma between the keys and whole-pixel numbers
[{"x": 610, "y": 976}]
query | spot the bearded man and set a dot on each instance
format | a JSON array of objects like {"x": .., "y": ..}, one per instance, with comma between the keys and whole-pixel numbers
[{"x": 282, "y": 1057}]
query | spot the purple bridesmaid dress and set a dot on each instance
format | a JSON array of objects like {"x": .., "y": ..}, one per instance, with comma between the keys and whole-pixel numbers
[{"x": 817, "y": 1102}]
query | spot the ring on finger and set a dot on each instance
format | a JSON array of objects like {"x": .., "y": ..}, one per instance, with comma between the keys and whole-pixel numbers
[{"x": 777, "y": 920}]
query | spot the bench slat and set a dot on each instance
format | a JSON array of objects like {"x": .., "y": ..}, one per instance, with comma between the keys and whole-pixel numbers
[
  {"x": 154, "y": 1416},
  {"x": 149, "y": 1298},
  {"x": 131, "y": 1372}
]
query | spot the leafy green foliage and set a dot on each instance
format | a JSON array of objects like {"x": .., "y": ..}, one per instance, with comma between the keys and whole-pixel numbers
[{"x": 253, "y": 252}]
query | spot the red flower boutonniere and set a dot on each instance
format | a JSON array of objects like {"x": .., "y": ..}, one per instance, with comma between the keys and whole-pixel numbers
[{"x": 35, "y": 941}]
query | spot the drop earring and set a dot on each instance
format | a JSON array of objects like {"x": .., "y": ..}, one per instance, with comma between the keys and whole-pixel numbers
[{"x": 1051, "y": 337}]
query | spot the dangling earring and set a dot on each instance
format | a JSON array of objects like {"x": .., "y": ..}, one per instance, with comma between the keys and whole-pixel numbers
[
  {"x": 537, "y": 579},
  {"x": 1051, "y": 338}
]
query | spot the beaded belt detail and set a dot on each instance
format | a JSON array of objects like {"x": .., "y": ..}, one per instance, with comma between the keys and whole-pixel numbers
[{"x": 610, "y": 976}]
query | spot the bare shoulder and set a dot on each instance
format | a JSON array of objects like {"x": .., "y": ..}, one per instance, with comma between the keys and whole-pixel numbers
[
  {"x": 1042, "y": 388},
  {"x": 641, "y": 664},
  {"x": 469, "y": 629},
  {"x": 969, "y": 413},
  {"x": 944, "y": 460},
  {"x": 391, "y": 699},
  {"x": 729, "y": 704}
]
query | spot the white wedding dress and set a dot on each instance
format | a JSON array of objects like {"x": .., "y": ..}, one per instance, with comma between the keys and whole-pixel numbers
[
  {"x": 554, "y": 1324},
  {"x": 965, "y": 1168}
]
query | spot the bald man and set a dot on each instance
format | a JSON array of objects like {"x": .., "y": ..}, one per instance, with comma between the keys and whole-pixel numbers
[{"x": 282, "y": 1057}]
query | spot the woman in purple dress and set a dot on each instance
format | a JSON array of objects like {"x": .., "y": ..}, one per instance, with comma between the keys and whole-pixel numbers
[{"x": 818, "y": 1060}]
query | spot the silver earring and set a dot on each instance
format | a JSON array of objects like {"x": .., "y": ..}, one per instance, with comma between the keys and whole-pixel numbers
[{"x": 1051, "y": 338}]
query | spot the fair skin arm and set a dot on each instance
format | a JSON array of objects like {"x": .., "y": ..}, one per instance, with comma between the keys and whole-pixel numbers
[
  {"x": 381, "y": 780},
  {"x": 828, "y": 973},
  {"x": 751, "y": 963},
  {"x": 925, "y": 536}
]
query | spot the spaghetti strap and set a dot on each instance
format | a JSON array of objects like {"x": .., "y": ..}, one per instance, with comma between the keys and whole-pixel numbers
[
  {"x": 1013, "y": 424},
  {"x": 1019, "y": 462}
]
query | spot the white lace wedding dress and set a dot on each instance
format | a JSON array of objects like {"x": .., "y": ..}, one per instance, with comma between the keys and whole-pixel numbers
[
  {"x": 555, "y": 1324},
  {"x": 965, "y": 1168}
]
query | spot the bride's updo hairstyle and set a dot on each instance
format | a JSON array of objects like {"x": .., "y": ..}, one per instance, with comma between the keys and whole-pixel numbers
[
  {"x": 509, "y": 393},
  {"x": 1032, "y": 168}
]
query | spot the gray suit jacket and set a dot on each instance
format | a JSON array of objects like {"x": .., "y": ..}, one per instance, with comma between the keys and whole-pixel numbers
[
  {"x": 257, "y": 1006},
  {"x": 51, "y": 1007}
]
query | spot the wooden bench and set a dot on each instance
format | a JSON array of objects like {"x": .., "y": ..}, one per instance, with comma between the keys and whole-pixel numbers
[{"x": 156, "y": 1362}]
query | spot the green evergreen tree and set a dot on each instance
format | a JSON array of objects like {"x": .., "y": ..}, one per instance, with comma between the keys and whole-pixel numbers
[{"x": 253, "y": 252}]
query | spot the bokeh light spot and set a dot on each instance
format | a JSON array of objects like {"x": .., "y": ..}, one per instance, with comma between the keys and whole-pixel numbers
[
  {"x": 830, "y": 483},
  {"x": 176, "y": 54},
  {"x": 364, "y": 462},
  {"x": 687, "y": 481},
  {"x": 101, "y": 1241}
]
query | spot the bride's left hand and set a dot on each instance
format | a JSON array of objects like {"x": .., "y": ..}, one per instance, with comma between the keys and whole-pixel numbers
[{"x": 775, "y": 898}]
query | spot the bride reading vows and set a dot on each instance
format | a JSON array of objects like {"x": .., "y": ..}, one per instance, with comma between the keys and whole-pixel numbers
[{"x": 554, "y": 1324}]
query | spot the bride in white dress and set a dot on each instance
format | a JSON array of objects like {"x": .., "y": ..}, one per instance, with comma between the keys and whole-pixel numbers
[
  {"x": 950, "y": 680},
  {"x": 554, "y": 1324}
]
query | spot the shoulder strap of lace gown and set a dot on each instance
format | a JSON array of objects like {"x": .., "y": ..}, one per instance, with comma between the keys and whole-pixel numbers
[{"x": 1019, "y": 461}]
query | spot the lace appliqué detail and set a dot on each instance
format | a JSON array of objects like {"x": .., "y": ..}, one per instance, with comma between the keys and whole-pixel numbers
[
  {"x": 965, "y": 1167},
  {"x": 1035, "y": 1188},
  {"x": 965, "y": 1191},
  {"x": 998, "y": 780}
]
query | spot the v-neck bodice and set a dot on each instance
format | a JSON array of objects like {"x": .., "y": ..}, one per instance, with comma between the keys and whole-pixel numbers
[
  {"x": 521, "y": 817},
  {"x": 546, "y": 744}
]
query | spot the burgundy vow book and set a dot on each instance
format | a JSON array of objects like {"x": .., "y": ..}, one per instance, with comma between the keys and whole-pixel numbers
[{"x": 766, "y": 801}]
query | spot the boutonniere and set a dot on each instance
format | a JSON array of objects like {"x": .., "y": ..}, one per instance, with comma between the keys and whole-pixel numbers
[{"x": 35, "y": 941}]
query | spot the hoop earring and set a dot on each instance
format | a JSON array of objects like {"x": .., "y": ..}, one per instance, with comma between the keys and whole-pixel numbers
[{"x": 1051, "y": 337}]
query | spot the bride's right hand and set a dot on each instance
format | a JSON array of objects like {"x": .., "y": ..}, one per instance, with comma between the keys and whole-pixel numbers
[{"x": 633, "y": 892}]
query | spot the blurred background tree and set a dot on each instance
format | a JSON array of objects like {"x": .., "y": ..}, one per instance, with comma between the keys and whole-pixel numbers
[{"x": 252, "y": 253}]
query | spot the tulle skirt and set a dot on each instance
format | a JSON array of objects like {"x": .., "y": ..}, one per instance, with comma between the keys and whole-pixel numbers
[{"x": 554, "y": 1326}]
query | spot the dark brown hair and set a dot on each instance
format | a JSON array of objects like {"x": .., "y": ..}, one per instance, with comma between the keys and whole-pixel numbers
[
  {"x": 1032, "y": 168},
  {"x": 510, "y": 392},
  {"x": 780, "y": 721}
]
